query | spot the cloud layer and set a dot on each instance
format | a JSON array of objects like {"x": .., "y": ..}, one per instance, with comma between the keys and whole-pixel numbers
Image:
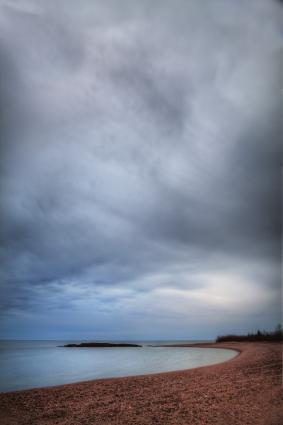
[{"x": 140, "y": 168}]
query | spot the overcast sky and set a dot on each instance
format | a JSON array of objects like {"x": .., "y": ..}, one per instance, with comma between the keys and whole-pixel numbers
[{"x": 140, "y": 168}]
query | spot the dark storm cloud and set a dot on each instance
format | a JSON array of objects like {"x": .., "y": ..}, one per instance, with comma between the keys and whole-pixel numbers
[{"x": 140, "y": 162}]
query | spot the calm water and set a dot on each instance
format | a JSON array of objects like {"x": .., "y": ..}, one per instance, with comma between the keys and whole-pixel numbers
[{"x": 28, "y": 364}]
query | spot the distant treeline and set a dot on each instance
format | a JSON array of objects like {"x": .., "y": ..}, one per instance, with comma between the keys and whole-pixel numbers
[{"x": 271, "y": 336}]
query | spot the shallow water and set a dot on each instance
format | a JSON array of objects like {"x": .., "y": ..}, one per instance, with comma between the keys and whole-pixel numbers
[{"x": 29, "y": 364}]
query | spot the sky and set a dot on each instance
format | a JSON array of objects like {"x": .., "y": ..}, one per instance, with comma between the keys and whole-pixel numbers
[{"x": 140, "y": 168}]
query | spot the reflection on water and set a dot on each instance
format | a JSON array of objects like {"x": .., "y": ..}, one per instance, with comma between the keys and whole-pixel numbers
[{"x": 28, "y": 364}]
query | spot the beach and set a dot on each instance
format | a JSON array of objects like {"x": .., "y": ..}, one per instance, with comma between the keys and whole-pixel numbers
[{"x": 246, "y": 390}]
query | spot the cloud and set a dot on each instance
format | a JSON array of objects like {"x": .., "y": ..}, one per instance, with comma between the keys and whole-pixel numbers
[{"x": 140, "y": 164}]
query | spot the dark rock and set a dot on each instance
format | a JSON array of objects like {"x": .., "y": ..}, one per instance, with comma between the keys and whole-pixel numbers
[{"x": 100, "y": 345}]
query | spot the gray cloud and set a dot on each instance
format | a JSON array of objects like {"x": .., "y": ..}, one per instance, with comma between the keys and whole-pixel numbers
[{"x": 140, "y": 166}]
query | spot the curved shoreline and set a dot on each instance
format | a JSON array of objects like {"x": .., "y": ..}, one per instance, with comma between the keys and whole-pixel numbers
[
  {"x": 243, "y": 390},
  {"x": 196, "y": 345}
]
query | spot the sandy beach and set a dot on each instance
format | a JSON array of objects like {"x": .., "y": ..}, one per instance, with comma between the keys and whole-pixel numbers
[{"x": 246, "y": 390}]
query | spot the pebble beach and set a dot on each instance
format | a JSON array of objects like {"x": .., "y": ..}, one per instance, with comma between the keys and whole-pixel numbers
[{"x": 246, "y": 390}]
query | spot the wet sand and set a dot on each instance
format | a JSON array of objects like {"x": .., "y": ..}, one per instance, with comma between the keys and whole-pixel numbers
[{"x": 246, "y": 390}]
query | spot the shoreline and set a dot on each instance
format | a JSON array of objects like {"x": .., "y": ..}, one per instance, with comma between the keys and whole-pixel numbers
[
  {"x": 85, "y": 381},
  {"x": 243, "y": 390},
  {"x": 143, "y": 375}
]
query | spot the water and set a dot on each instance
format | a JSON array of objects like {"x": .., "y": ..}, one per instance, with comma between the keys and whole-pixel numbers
[{"x": 29, "y": 364}]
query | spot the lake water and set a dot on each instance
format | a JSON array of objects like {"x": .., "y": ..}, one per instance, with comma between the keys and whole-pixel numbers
[{"x": 29, "y": 364}]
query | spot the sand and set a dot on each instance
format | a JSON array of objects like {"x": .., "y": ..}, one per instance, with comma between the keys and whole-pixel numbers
[{"x": 244, "y": 391}]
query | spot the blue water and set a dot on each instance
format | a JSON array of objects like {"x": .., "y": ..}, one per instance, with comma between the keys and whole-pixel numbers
[{"x": 29, "y": 364}]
